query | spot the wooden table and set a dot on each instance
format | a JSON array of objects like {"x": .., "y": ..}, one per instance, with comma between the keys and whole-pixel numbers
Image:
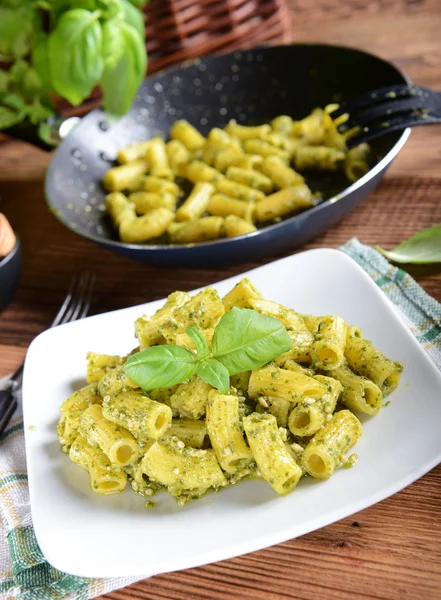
[{"x": 389, "y": 551}]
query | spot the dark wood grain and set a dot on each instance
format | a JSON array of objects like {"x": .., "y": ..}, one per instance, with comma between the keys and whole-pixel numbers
[{"x": 391, "y": 551}]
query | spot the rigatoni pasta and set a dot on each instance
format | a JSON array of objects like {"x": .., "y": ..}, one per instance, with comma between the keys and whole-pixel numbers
[
  {"x": 257, "y": 164},
  {"x": 295, "y": 415}
]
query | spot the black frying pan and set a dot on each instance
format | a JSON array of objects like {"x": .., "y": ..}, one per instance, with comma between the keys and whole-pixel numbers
[{"x": 249, "y": 86}]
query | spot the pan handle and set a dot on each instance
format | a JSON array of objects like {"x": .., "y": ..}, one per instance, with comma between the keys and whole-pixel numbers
[{"x": 57, "y": 128}]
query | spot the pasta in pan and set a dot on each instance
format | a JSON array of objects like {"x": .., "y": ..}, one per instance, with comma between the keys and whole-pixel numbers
[
  {"x": 194, "y": 189},
  {"x": 291, "y": 414}
]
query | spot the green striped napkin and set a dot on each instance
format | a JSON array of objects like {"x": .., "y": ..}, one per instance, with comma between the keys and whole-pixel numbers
[{"x": 25, "y": 574}]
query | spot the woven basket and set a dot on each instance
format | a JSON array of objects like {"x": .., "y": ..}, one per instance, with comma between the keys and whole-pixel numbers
[{"x": 178, "y": 30}]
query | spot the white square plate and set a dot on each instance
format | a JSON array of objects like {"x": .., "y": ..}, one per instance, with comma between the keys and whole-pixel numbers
[{"x": 86, "y": 534}]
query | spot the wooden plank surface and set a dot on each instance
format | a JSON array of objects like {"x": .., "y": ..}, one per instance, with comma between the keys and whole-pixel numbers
[{"x": 389, "y": 551}]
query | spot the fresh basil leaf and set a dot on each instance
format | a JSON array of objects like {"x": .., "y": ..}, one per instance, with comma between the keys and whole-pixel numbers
[
  {"x": 32, "y": 84},
  {"x": 59, "y": 8},
  {"x": 214, "y": 373},
  {"x": 121, "y": 81},
  {"x": 4, "y": 82},
  {"x": 113, "y": 43},
  {"x": 422, "y": 248},
  {"x": 75, "y": 54},
  {"x": 40, "y": 60},
  {"x": 18, "y": 71},
  {"x": 244, "y": 340},
  {"x": 133, "y": 17},
  {"x": 16, "y": 28},
  {"x": 139, "y": 3},
  {"x": 160, "y": 366},
  {"x": 199, "y": 341},
  {"x": 37, "y": 112},
  {"x": 110, "y": 9},
  {"x": 9, "y": 117},
  {"x": 15, "y": 101}
]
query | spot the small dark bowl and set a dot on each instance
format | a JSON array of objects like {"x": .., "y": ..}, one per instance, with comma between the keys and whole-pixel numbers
[
  {"x": 249, "y": 86},
  {"x": 10, "y": 271}
]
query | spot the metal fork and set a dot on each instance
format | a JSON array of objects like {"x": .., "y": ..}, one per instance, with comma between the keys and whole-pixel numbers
[
  {"x": 387, "y": 109},
  {"x": 75, "y": 306}
]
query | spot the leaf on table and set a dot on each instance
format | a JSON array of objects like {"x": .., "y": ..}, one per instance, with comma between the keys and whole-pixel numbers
[
  {"x": 75, "y": 54},
  {"x": 160, "y": 366},
  {"x": 422, "y": 248},
  {"x": 214, "y": 373},
  {"x": 245, "y": 340}
]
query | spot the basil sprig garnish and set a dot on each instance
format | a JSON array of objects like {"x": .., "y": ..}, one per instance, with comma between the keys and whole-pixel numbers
[{"x": 243, "y": 340}]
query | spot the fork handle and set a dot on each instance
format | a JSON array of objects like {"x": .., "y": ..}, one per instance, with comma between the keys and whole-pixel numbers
[{"x": 8, "y": 404}]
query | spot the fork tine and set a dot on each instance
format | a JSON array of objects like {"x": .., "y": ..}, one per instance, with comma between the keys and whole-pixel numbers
[
  {"x": 88, "y": 298},
  {"x": 63, "y": 308},
  {"x": 76, "y": 304}
]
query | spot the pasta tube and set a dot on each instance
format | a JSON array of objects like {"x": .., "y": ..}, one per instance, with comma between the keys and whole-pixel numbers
[
  {"x": 265, "y": 149},
  {"x": 190, "y": 399},
  {"x": 158, "y": 185},
  {"x": 239, "y": 191},
  {"x": 147, "y": 201},
  {"x": 114, "y": 382},
  {"x": 250, "y": 178},
  {"x": 192, "y": 433},
  {"x": 199, "y": 230},
  {"x": 124, "y": 176},
  {"x": 367, "y": 361},
  {"x": 222, "y": 421},
  {"x": 104, "y": 477},
  {"x": 158, "y": 160},
  {"x": 71, "y": 411},
  {"x": 223, "y": 206},
  {"x": 132, "y": 152},
  {"x": 318, "y": 157},
  {"x": 182, "y": 468},
  {"x": 177, "y": 154},
  {"x": 278, "y": 407},
  {"x": 241, "y": 295},
  {"x": 199, "y": 171},
  {"x": 99, "y": 365},
  {"x": 143, "y": 417},
  {"x": 147, "y": 227},
  {"x": 284, "y": 202},
  {"x": 356, "y": 162},
  {"x": 280, "y": 174},
  {"x": 233, "y": 158},
  {"x": 187, "y": 135},
  {"x": 147, "y": 328},
  {"x": 116, "y": 442},
  {"x": 308, "y": 417},
  {"x": 196, "y": 203},
  {"x": 282, "y": 124},
  {"x": 359, "y": 393},
  {"x": 325, "y": 450},
  {"x": 281, "y": 383},
  {"x": 245, "y": 132},
  {"x": 120, "y": 209},
  {"x": 328, "y": 349},
  {"x": 273, "y": 459},
  {"x": 235, "y": 226}
]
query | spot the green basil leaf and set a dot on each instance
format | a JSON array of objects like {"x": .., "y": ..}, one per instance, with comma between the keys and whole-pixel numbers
[
  {"x": 75, "y": 54},
  {"x": 199, "y": 341},
  {"x": 37, "y": 112},
  {"x": 422, "y": 248},
  {"x": 133, "y": 17},
  {"x": 160, "y": 366},
  {"x": 32, "y": 84},
  {"x": 113, "y": 43},
  {"x": 214, "y": 373},
  {"x": 110, "y": 9},
  {"x": 16, "y": 26},
  {"x": 139, "y": 3},
  {"x": 59, "y": 8},
  {"x": 15, "y": 101},
  {"x": 18, "y": 71},
  {"x": 40, "y": 60},
  {"x": 121, "y": 81},
  {"x": 9, "y": 117},
  {"x": 4, "y": 82},
  {"x": 244, "y": 340}
]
